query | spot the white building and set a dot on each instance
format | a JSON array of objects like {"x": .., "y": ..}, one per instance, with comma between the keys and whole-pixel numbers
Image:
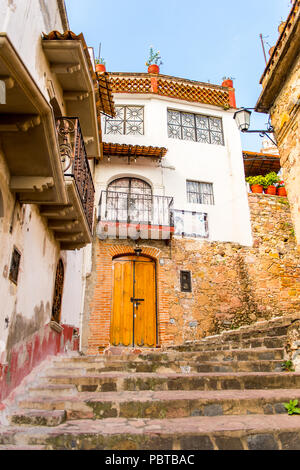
[
  {"x": 46, "y": 182},
  {"x": 172, "y": 170}
]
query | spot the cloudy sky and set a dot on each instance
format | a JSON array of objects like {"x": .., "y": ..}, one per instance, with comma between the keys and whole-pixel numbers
[{"x": 198, "y": 39}]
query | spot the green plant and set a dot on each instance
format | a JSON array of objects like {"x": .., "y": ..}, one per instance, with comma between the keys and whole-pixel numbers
[
  {"x": 259, "y": 179},
  {"x": 288, "y": 366},
  {"x": 154, "y": 58},
  {"x": 100, "y": 61},
  {"x": 271, "y": 179},
  {"x": 292, "y": 407},
  {"x": 280, "y": 184}
]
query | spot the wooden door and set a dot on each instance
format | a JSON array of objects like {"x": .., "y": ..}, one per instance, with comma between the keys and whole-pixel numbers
[{"x": 134, "y": 302}]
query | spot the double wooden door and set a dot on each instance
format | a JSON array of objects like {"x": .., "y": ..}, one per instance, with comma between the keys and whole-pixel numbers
[{"x": 134, "y": 302}]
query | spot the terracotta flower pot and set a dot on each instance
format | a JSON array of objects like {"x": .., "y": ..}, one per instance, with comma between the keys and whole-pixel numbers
[
  {"x": 271, "y": 190},
  {"x": 153, "y": 68},
  {"x": 257, "y": 188},
  {"x": 100, "y": 68},
  {"x": 281, "y": 191}
]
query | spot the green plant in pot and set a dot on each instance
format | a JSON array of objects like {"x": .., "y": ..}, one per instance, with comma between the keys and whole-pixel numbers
[
  {"x": 256, "y": 183},
  {"x": 271, "y": 179}
]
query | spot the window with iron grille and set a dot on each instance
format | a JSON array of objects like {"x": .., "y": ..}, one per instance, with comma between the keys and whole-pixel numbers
[
  {"x": 185, "y": 281},
  {"x": 14, "y": 266},
  {"x": 129, "y": 120},
  {"x": 199, "y": 192},
  {"x": 195, "y": 127}
]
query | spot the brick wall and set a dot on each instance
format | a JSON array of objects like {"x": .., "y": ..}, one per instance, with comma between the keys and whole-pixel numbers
[{"x": 231, "y": 284}]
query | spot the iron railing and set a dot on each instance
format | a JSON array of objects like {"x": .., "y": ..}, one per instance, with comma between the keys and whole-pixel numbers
[
  {"x": 75, "y": 162},
  {"x": 143, "y": 213}
]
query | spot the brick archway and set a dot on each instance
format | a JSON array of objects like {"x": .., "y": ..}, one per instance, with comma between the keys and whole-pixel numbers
[{"x": 101, "y": 301}]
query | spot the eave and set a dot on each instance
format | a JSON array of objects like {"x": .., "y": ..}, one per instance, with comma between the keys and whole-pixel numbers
[
  {"x": 133, "y": 151},
  {"x": 69, "y": 60},
  {"x": 260, "y": 163},
  {"x": 281, "y": 61},
  {"x": 28, "y": 133}
]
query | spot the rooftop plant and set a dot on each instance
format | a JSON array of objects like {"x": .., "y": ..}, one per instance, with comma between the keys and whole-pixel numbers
[{"x": 154, "y": 57}]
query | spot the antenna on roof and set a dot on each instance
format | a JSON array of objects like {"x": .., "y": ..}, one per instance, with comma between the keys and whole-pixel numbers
[
  {"x": 263, "y": 47},
  {"x": 99, "y": 55}
]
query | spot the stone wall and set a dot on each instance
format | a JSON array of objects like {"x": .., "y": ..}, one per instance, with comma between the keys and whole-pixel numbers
[
  {"x": 232, "y": 285},
  {"x": 285, "y": 118}
]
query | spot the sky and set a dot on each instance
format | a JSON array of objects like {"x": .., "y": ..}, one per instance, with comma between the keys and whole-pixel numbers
[{"x": 197, "y": 39}]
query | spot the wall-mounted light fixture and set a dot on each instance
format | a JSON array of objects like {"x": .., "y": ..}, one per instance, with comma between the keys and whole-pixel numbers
[
  {"x": 242, "y": 119},
  {"x": 138, "y": 251}
]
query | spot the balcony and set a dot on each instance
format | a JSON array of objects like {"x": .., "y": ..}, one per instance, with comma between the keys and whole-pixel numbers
[
  {"x": 72, "y": 223},
  {"x": 135, "y": 216}
]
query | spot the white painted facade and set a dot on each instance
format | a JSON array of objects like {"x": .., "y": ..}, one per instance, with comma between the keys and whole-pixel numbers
[
  {"x": 22, "y": 226},
  {"x": 221, "y": 165}
]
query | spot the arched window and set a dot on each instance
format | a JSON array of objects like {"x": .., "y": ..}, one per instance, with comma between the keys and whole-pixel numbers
[
  {"x": 129, "y": 200},
  {"x": 58, "y": 292}
]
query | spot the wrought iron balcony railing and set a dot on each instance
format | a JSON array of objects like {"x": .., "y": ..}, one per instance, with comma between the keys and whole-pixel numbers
[
  {"x": 134, "y": 215},
  {"x": 75, "y": 162}
]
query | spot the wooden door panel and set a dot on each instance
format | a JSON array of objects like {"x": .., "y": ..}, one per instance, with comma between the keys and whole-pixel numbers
[
  {"x": 145, "y": 313},
  {"x": 133, "y": 277},
  {"x": 122, "y": 317}
]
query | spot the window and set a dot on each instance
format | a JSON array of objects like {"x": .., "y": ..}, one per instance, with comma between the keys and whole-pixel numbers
[
  {"x": 199, "y": 193},
  {"x": 128, "y": 120},
  {"x": 195, "y": 127},
  {"x": 129, "y": 199},
  {"x": 14, "y": 266},
  {"x": 185, "y": 281}
]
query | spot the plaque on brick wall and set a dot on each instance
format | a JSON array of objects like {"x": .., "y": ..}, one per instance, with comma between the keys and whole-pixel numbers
[{"x": 185, "y": 281}]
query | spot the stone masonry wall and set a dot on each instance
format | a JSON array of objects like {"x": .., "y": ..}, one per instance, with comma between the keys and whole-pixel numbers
[
  {"x": 285, "y": 118},
  {"x": 232, "y": 285}
]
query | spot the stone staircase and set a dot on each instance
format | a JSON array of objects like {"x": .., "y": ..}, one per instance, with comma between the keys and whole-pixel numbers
[{"x": 223, "y": 392}]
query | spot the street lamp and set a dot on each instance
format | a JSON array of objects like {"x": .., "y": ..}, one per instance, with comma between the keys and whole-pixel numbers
[{"x": 242, "y": 119}]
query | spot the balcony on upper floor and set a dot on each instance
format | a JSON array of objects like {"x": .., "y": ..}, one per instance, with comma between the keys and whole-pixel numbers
[
  {"x": 135, "y": 216},
  {"x": 72, "y": 223}
]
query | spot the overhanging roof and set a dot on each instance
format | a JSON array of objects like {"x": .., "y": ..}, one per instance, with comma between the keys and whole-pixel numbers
[
  {"x": 281, "y": 60},
  {"x": 134, "y": 151},
  {"x": 260, "y": 163},
  {"x": 85, "y": 94}
]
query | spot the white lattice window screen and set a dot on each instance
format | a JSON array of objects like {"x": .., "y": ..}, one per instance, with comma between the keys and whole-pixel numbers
[
  {"x": 199, "y": 192},
  {"x": 195, "y": 127},
  {"x": 129, "y": 120}
]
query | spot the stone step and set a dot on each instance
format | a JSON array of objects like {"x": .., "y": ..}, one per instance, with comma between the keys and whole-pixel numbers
[
  {"x": 38, "y": 417},
  {"x": 165, "y": 404},
  {"x": 161, "y": 367},
  {"x": 254, "y": 354},
  {"x": 262, "y": 342},
  {"x": 56, "y": 390},
  {"x": 248, "y": 432},
  {"x": 16, "y": 447},
  {"x": 118, "y": 381}
]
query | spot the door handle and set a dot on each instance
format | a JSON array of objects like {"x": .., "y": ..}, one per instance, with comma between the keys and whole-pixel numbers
[{"x": 136, "y": 300}]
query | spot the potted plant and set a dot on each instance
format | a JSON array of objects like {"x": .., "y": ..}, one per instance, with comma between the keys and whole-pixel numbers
[
  {"x": 271, "y": 179},
  {"x": 99, "y": 62},
  {"x": 281, "y": 191},
  {"x": 100, "y": 65},
  {"x": 256, "y": 183},
  {"x": 154, "y": 61}
]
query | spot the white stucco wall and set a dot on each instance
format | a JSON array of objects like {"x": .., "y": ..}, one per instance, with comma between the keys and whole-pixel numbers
[
  {"x": 24, "y": 21},
  {"x": 33, "y": 295},
  {"x": 221, "y": 165}
]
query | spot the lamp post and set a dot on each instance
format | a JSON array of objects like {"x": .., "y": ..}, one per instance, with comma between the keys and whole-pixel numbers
[{"x": 242, "y": 119}]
